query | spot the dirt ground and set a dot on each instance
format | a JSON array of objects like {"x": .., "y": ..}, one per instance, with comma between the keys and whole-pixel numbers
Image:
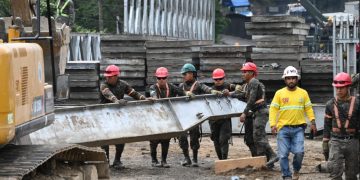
[{"x": 137, "y": 161}]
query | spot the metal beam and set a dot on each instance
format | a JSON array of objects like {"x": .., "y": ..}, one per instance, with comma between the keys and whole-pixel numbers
[{"x": 98, "y": 125}]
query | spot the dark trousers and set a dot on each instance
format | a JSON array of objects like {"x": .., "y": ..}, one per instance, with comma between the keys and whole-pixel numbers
[
  {"x": 165, "y": 143},
  {"x": 220, "y": 135},
  {"x": 119, "y": 151}
]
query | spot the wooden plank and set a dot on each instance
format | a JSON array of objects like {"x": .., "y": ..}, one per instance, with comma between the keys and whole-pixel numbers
[
  {"x": 280, "y": 56},
  {"x": 267, "y": 19},
  {"x": 226, "y": 48},
  {"x": 277, "y": 31},
  {"x": 278, "y": 38},
  {"x": 282, "y": 50},
  {"x": 275, "y": 25},
  {"x": 222, "y": 166},
  {"x": 279, "y": 43}
]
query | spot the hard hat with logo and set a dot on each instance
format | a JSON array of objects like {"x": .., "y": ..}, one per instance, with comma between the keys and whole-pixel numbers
[
  {"x": 161, "y": 72},
  {"x": 249, "y": 66},
  {"x": 218, "y": 73},
  {"x": 341, "y": 80},
  {"x": 290, "y": 71},
  {"x": 188, "y": 68},
  {"x": 112, "y": 70}
]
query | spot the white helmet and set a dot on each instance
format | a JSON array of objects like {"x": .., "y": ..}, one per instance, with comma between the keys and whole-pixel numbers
[{"x": 290, "y": 71}]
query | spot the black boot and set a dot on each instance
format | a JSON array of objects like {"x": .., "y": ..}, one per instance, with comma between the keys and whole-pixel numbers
[
  {"x": 195, "y": 158},
  {"x": 224, "y": 156},
  {"x": 154, "y": 161},
  {"x": 117, "y": 162},
  {"x": 186, "y": 161},
  {"x": 271, "y": 157},
  {"x": 164, "y": 152}
]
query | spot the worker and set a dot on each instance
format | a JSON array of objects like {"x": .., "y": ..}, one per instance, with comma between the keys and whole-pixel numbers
[
  {"x": 113, "y": 91},
  {"x": 256, "y": 109},
  {"x": 162, "y": 89},
  {"x": 221, "y": 129},
  {"x": 191, "y": 88},
  {"x": 65, "y": 12},
  {"x": 341, "y": 125},
  {"x": 287, "y": 119}
]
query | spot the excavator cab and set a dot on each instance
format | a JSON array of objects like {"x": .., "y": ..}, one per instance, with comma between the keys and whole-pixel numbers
[{"x": 26, "y": 100}]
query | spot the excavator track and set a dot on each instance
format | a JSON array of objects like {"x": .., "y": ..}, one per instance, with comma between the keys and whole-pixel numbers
[{"x": 19, "y": 161}]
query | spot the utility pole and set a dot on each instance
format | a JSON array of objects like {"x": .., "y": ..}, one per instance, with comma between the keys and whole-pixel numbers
[{"x": 101, "y": 22}]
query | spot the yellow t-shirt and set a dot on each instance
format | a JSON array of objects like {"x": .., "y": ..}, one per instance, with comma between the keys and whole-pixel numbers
[{"x": 289, "y": 108}]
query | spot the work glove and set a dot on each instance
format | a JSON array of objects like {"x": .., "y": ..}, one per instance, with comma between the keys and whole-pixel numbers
[
  {"x": 190, "y": 94},
  {"x": 225, "y": 92},
  {"x": 215, "y": 92},
  {"x": 238, "y": 88},
  {"x": 151, "y": 99},
  {"x": 122, "y": 102},
  {"x": 326, "y": 149}
]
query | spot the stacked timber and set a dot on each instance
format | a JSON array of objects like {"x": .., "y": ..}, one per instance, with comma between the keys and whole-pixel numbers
[
  {"x": 317, "y": 78},
  {"x": 279, "y": 43},
  {"x": 83, "y": 80},
  {"x": 228, "y": 57},
  {"x": 127, "y": 52},
  {"x": 170, "y": 54}
]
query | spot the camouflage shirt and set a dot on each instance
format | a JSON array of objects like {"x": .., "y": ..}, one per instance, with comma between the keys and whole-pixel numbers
[
  {"x": 330, "y": 121},
  {"x": 110, "y": 93},
  {"x": 196, "y": 87},
  {"x": 170, "y": 91},
  {"x": 255, "y": 91}
]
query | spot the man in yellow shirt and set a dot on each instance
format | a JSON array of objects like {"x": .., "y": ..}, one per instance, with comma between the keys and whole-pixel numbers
[{"x": 287, "y": 118}]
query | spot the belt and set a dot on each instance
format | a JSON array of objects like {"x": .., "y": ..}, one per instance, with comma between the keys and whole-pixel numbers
[
  {"x": 295, "y": 126},
  {"x": 343, "y": 137}
]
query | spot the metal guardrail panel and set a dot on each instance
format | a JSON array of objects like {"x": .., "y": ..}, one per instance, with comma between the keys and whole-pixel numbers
[{"x": 138, "y": 121}]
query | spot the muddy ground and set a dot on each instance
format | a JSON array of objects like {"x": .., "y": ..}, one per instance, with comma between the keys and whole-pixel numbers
[{"x": 136, "y": 158}]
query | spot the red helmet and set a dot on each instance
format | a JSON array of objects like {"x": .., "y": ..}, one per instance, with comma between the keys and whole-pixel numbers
[
  {"x": 249, "y": 66},
  {"x": 218, "y": 73},
  {"x": 161, "y": 72},
  {"x": 341, "y": 80},
  {"x": 112, "y": 70}
]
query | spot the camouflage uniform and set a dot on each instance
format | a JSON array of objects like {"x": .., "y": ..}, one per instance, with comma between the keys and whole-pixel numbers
[
  {"x": 240, "y": 93},
  {"x": 255, "y": 96},
  {"x": 221, "y": 129},
  {"x": 157, "y": 92},
  {"x": 111, "y": 94},
  {"x": 341, "y": 126},
  {"x": 196, "y": 88}
]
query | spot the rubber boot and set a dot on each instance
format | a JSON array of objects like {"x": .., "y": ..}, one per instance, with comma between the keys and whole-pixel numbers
[
  {"x": 218, "y": 152},
  {"x": 224, "y": 156},
  {"x": 117, "y": 162},
  {"x": 186, "y": 161},
  {"x": 271, "y": 157},
  {"x": 195, "y": 158},
  {"x": 154, "y": 161},
  {"x": 164, "y": 152},
  {"x": 106, "y": 149}
]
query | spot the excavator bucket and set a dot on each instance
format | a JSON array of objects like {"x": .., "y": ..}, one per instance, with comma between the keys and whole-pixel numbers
[{"x": 106, "y": 124}]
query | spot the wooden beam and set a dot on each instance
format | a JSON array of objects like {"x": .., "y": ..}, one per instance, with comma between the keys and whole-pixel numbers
[{"x": 222, "y": 166}]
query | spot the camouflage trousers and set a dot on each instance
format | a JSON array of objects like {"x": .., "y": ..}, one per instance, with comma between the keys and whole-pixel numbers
[
  {"x": 194, "y": 139},
  {"x": 248, "y": 137},
  {"x": 261, "y": 141},
  {"x": 343, "y": 150},
  {"x": 119, "y": 151},
  {"x": 164, "y": 148},
  {"x": 220, "y": 134}
]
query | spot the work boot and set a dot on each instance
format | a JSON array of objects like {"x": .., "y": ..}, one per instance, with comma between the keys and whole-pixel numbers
[
  {"x": 296, "y": 175},
  {"x": 186, "y": 161},
  {"x": 224, "y": 156},
  {"x": 118, "y": 165},
  {"x": 155, "y": 163},
  {"x": 165, "y": 164},
  {"x": 195, "y": 159},
  {"x": 272, "y": 158}
]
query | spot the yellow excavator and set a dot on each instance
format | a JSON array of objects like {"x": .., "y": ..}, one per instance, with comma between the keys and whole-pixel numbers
[{"x": 27, "y": 105}]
